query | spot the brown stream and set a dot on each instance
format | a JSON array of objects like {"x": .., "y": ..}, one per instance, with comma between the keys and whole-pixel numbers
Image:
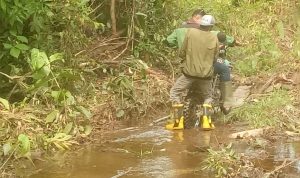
[{"x": 155, "y": 152}]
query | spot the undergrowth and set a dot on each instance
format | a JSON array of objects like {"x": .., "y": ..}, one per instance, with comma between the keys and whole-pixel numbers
[
  {"x": 264, "y": 111},
  {"x": 222, "y": 162},
  {"x": 226, "y": 163}
]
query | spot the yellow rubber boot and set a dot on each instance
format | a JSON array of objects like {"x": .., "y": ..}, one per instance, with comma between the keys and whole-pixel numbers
[
  {"x": 176, "y": 118},
  {"x": 205, "y": 123},
  {"x": 212, "y": 126},
  {"x": 176, "y": 125}
]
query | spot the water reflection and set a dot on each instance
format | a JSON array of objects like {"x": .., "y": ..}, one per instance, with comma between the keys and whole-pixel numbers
[
  {"x": 288, "y": 151},
  {"x": 156, "y": 152}
]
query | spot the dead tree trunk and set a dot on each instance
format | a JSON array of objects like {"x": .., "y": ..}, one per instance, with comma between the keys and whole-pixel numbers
[{"x": 113, "y": 16}]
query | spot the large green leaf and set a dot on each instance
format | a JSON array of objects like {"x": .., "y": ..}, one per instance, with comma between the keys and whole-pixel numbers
[
  {"x": 7, "y": 45},
  {"x": 52, "y": 116},
  {"x": 15, "y": 52},
  {"x": 56, "y": 56},
  {"x": 22, "y": 39},
  {"x": 68, "y": 128},
  {"x": 5, "y": 103},
  {"x": 22, "y": 47},
  {"x": 55, "y": 95},
  {"x": 84, "y": 111},
  {"x": 70, "y": 100},
  {"x": 39, "y": 63},
  {"x": 88, "y": 129},
  {"x": 63, "y": 97},
  {"x": 24, "y": 143}
]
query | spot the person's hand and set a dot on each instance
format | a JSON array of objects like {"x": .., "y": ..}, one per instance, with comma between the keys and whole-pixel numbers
[
  {"x": 238, "y": 43},
  {"x": 221, "y": 46}
]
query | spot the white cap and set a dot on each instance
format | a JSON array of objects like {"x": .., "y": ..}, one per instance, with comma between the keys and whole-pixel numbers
[{"x": 207, "y": 20}]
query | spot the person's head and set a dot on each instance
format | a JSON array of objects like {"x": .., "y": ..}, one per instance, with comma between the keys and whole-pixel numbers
[
  {"x": 207, "y": 22},
  {"x": 198, "y": 14},
  {"x": 221, "y": 37}
]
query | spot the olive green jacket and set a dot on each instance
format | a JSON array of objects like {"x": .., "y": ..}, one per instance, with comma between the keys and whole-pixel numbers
[
  {"x": 177, "y": 37},
  {"x": 199, "y": 50}
]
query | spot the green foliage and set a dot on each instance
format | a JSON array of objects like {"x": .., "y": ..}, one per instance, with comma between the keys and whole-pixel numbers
[
  {"x": 24, "y": 145},
  {"x": 222, "y": 162},
  {"x": 45, "y": 25},
  {"x": 134, "y": 92},
  {"x": 53, "y": 128},
  {"x": 263, "y": 112},
  {"x": 39, "y": 64},
  {"x": 5, "y": 103},
  {"x": 264, "y": 35},
  {"x": 62, "y": 141}
]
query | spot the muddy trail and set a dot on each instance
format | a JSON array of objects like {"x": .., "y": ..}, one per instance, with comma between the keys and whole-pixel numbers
[{"x": 140, "y": 150}]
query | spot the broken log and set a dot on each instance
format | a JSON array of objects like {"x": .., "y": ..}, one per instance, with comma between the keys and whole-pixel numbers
[
  {"x": 292, "y": 134},
  {"x": 267, "y": 84},
  {"x": 248, "y": 133},
  {"x": 159, "y": 120}
]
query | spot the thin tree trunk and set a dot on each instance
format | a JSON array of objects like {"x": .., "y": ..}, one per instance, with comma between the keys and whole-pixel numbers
[{"x": 113, "y": 16}]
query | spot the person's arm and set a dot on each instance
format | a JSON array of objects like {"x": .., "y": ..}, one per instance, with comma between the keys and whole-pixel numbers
[
  {"x": 230, "y": 41},
  {"x": 217, "y": 50},
  {"x": 172, "y": 39},
  {"x": 182, "y": 50}
]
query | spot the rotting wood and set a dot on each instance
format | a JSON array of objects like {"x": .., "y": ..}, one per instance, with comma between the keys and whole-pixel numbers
[
  {"x": 267, "y": 84},
  {"x": 248, "y": 133}
]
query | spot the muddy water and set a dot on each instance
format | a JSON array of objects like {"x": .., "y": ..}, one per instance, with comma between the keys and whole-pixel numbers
[
  {"x": 138, "y": 152},
  {"x": 146, "y": 152},
  {"x": 156, "y": 152}
]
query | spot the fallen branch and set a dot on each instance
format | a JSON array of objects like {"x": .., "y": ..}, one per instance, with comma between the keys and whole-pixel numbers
[
  {"x": 292, "y": 134},
  {"x": 82, "y": 51},
  {"x": 129, "y": 128},
  {"x": 105, "y": 44},
  {"x": 122, "y": 173},
  {"x": 96, "y": 8},
  {"x": 11, "y": 77},
  {"x": 283, "y": 165},
  {"x": 248, "y": 133},
  {"x": 159, "y": 120},
  {"x": 267, "y": 84},
  {"x": 8, "y": 158}
]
